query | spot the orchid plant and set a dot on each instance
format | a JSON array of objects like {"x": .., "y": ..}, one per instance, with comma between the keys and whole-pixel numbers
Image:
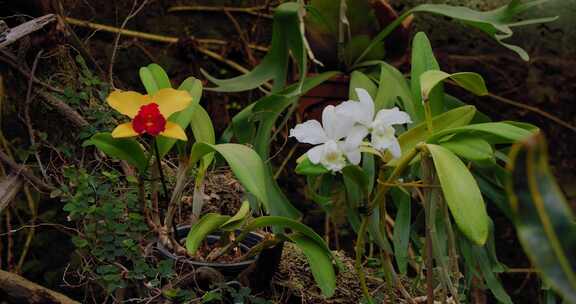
[{"x": 158, "y": 122}]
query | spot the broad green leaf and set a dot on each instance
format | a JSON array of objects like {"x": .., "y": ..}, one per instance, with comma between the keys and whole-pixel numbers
[
  {"x": 284, "y": 222},
  {"x": 472, "y": 82},
  {"x": 203, "y": 131},
  {"x": 419, "y": 133},
  {"x": 461, "y": 194},
  {"x": 544, "y": 220},
  {"x": 148, "y": 80},
  {"x": 121, "y": 148},
  {"x": 401, "y": 235},
  {"x": 160, "y": 76},
  {"x": 198, "y": 232},
  {"x": 360, "y": 80},
  {"x": 245, "y": 163},
  {"x": 286, "y": 39},
  {"x": 358, "y": 176},
  {"x": 184, "y": 117},
  {"x": 306, "y": 167},
  {"x": 355, "y": 46},
  {"x": 492, "y": 132},
  {"x": 423, "y": 60},
  {"x": 497, "y": 23},
  {"x": 477, "y": 262},
  {"x": 393, "y": 89},
  {"x": 320, "y": 262},
  {"x": 237, "y": 219},
  {"x": 377, "y": 231},
  {"x": 470, "y": 148}
]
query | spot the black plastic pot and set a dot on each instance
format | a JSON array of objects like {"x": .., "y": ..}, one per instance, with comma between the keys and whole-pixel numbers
[{"x": 227, "y": 269}]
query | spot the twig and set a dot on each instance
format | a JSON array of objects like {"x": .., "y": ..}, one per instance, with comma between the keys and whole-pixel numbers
[
  {"x": 24, "y": 171},
  {"x": 133, "y": 12},
  {"x": 246, "y": 10},
  {"x": 157, "y": 38},
  {"x": 13, "y": 62},
  {"x": 32, "y": 230},
  {"x": 24, "y": 29},
  {"x": 27, "y": 115},
  {"x": 243, "y": 37},
  {"x": 64, "y": 109},
  {"x": 528, "y": 108}
]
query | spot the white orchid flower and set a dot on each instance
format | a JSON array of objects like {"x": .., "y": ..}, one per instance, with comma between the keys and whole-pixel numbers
[
  {"x": 380, "y": 127},
  {"x": 331, "y": 150}
]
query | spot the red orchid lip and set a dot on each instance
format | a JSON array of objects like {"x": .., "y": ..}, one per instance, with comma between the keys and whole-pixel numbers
[{"x": 149, "y": 120}]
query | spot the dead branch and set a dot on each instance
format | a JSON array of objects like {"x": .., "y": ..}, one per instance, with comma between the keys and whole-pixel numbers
[
  {"x": 25, "y": 172},
  {"x": 19, "y": 290}
]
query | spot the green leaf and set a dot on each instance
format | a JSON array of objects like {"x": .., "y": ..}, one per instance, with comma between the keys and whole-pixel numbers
[
  {"x": 358, "y": 176},
  {"x": 198, "y": 232},
  {"x": 393, "y": 89},
  {"x": 247, "y": 166},
  {"x": 360, "y": 80},
  {"x": 203, "y": 131},
  {"x": 120, "y": 148},
  {"x": 423, "y": 60},
  {"x": 286, "y": 39},
  {"x": 160, "y": 76},
  {"x": 461, "y": 194},
  {"x": 320, "y": 262},
  {"x": 492, "y": 132},
  {"x": 237, "y": 219},
  {"x": 419, "y": 133},
  {"x": 401, "y": 235},
  {"x": 306, "y": 167},
  {"x": 472, "y": 82},
  {"x": 470, "y": 148},
  {"x": 148, "y": 81},
  {"x": 497, "y": 23},
  {"x": 544, "y": 220},
  {"x": 186, "y": 116}
]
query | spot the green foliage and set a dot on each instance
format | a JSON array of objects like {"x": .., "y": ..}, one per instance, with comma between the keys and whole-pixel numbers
[
  {"x": 106, "y": 209},
  {"x": 543, "y": 218},
  {"x": 423, "y": 61},
  {"x": 461, "y": 193},
  {"x": 121, "y": 148},
  {"x": 286, "y": 39}
]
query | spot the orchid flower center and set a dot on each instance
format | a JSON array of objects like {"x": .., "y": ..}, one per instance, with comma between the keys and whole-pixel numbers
[{"x": 149, "y": 120}]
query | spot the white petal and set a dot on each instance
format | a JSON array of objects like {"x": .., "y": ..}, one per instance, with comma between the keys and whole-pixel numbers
[
  {"x": 382, "y": 136},
  {"x": 355, "y": 137},
  {"x": 333, "y": 157},
  {"x": 336, "y": 126},
  {"x": 353, "y": 110},
  {"x": 392, "y": 116},
  {"x": 395, "y": 148},
  {"x": 366, "y": 103},
  {"x": 309, "y": 132},
  {"x": 354, "y": 157},
  {"x": 315, "y": 154}
]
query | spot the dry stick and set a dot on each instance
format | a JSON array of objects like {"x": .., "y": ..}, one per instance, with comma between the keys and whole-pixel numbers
[
  {"x": 528, "y": 108},
  {"x": 157, "y": 38},
  {"x": 10, "y": 241},
  {"x": 32, "y": 230},
  {"x": 27, "y": 114},
  {"x": 25, "y": 172},
  {"x": 243, "y": 38},
  {"x": 133, "y": 12},
  {"x": 246, "y": 10},
  {"x": 13, "y": 62}
]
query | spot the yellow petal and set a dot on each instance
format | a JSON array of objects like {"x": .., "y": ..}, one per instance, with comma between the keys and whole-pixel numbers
[
  {"x": 124, "y": 130},
  {"x": 174, "y": 130},
  {"x": 128, "y": 102},
  {"x": 171, "y": 101}
]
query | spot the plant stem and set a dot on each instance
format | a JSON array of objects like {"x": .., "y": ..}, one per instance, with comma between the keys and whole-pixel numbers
[
  {"x": 358, "y": 262},
  {"x": 428, "y": 115},
  {"x": 160, "y": 171},
  {"x": 427, "y": 176}
]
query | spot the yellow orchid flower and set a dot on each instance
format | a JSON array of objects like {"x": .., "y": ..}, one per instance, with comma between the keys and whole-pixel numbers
[{"x": 149, "y": 114}]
